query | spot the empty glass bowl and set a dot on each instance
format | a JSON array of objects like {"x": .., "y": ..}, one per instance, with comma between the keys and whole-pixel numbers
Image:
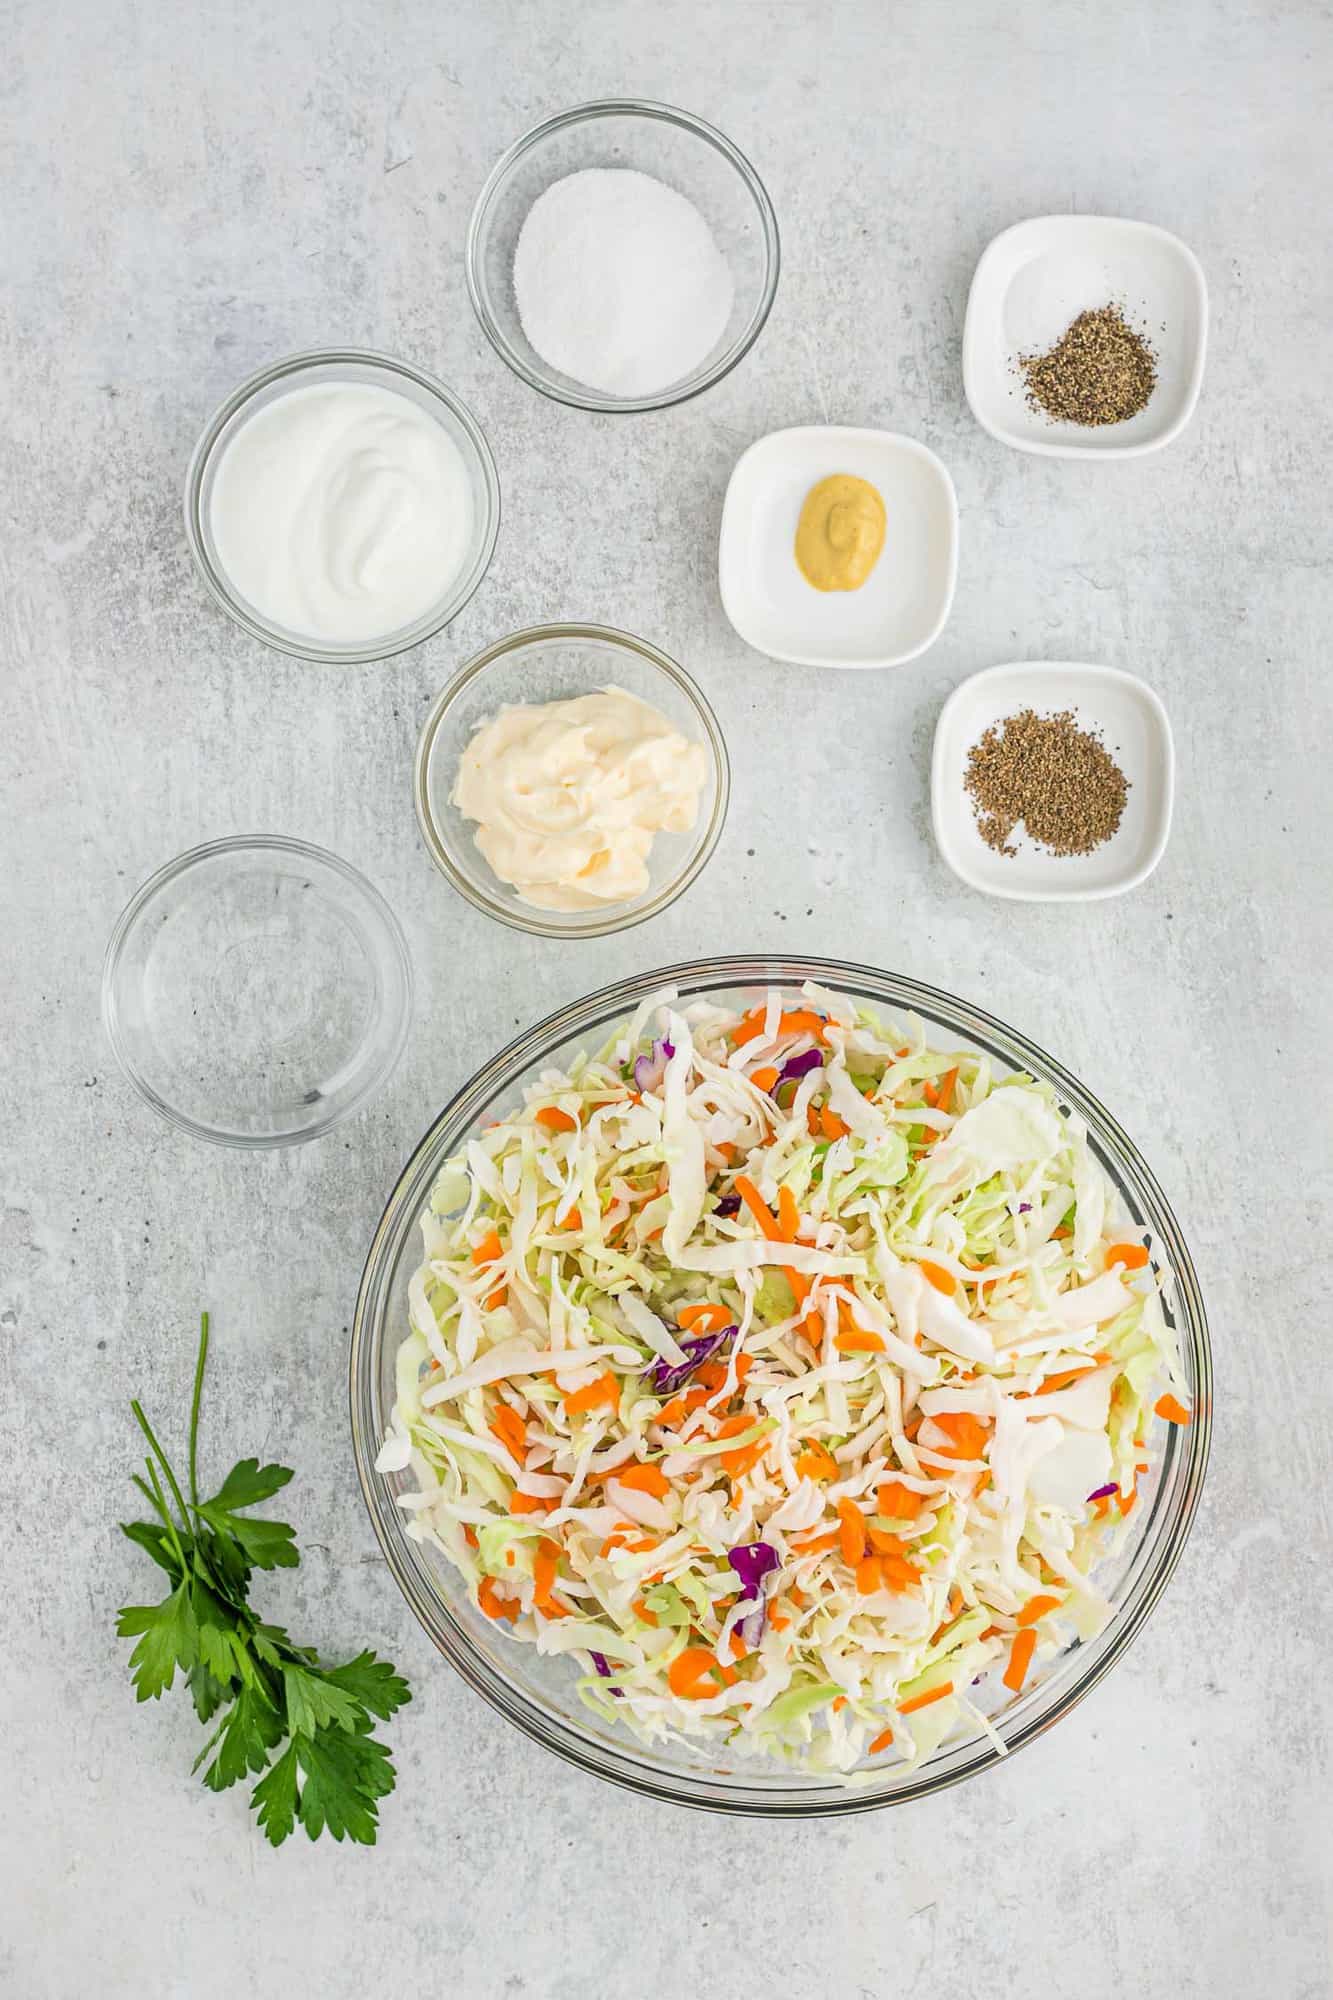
[
  {"x": 537, "y": 1692},
  {"x": 257, "y": 991},
  {"x": 688, "y": 155},
  {"x": 555, "y": 663}
]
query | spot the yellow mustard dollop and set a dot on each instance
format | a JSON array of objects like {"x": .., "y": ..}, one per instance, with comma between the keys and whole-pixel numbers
[{"x": 840, "y": 534}]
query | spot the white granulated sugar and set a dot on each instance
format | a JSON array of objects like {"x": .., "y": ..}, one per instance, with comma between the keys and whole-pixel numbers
[{"x": 619, "y": 282}]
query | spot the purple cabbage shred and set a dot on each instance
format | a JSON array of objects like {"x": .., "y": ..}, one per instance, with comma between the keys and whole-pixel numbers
[
  {"x": 1103, "y": 1491},
  {"x": 801, "y": 1065},
  {"x": 730, "y": 1204},
  {"x": 649, "y": 1070},
  {"x": 1025, "y": 1208},
  {"x": 602, "y": 1665},
  {"x": 752, "y": 1563},
  {"x": 665, "y": 1377}
]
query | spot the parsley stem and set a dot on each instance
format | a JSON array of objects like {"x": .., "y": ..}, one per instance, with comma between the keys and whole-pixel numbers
[
  {"x": 162, "y": 1460},
  {"x": 159, "y": 1501},
  {"x": 194, "y": 1408}
]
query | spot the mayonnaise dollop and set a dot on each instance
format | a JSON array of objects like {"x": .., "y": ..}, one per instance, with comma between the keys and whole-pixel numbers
[
  {"x": 569, "y": 794},
  {"x": 341, "y": 511}
]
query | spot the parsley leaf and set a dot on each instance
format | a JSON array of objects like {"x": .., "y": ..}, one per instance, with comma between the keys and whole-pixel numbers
[
  {"x": 344, "y": 1775},
  {"x": 266, "y": 1690},
  {"x": 167, "y": 1641}
]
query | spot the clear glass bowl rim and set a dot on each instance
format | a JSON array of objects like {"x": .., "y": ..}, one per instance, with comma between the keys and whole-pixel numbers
[
  {"x": 1183, "y": 1466},
  {"x": 537, "y": 922},
  {"x": 216, "y": 582},
  {"x": 624, "y": 107},
  {"x": 255, "y": 843}
]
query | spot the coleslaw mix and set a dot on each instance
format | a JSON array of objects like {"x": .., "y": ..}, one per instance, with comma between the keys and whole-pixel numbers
[{"x": 790, "y": 1375}]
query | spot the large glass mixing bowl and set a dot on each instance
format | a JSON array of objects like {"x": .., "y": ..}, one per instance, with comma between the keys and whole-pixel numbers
[{"x": 538, "y": 1693}]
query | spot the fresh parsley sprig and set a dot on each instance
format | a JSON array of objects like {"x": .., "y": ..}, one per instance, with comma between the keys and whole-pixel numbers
[{"x": 267, "y": 1691}]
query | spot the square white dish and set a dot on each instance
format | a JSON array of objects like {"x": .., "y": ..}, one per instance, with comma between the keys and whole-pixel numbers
[
  {"x": 1134, "y": 726},
  {"x": 1035, "y": 279},
  {"x": 901, "y": 607}
]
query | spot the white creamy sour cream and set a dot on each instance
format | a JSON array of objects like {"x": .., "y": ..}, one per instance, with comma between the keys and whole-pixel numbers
[
  {"x": 568, "y": 796},
  {"x": 341, "y": 511}
]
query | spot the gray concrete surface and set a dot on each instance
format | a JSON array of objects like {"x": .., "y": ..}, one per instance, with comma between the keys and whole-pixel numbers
[{"x": 190, "y": 191}]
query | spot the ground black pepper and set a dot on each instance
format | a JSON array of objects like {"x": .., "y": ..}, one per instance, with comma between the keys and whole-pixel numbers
[
  {"x": 1100, "y": 372},
  {"x": 1059, "y": 780}
]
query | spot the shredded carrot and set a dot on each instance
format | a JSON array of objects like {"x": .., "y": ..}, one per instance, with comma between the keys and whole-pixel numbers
[
  {"x": 910, "y": 1706},
  {"x": 968, "y": 1434},
  {"x": 1124, "y": 1501},
  {"x": 778, "y": 1620},
  {"x": 556, "y": 1120},
  {"x": 605, "y": 1389},
  {"x": 883, "y": 1741},
  {"x": 1174, "y": 1412},
  {"x": 944, "y": 1089},
  {"x": 899, "y": 1502},
  {"x": 530, "y": 1503},
  {"x": 883, "y": 1543},
  {"x": 544, "y": 1566},
  {"x": 862, "y": 1341},
  {"x": 1064, "y": 1378},
  {"x": 815, "y": 1462},
  {"x": 798, "y": 1597},
  {"x": 489, "y": 1248},
  {"x": 508, "y": 1427},
  {"x": 643, "y": 1479},
  {"x": 765, "y": 1076},
  {"x": 773, "y": 1231},
  {"x": 573, "y": 1220},
  {"x": 491, "y": 1602},
  {"x": 799, "y": 1022},
  {"x": 738, "y": 1647},
  {"x": 869, "y": 1576},
  {"x": 936, "y": 1275},
  {"x": 1037, "y": 1607},
  {"x": 812, "y": 1121},
  {"x": 1020, "y": 1658},
  {"x": 789, "y": 1215},
  {"x": 705, "y": 1317},
  {"x": 899, "y": 1574},
  {"x": 991, "y": 1632},
  {"x": 840, "y": 1704},
  {"x": 851, "y": 1531},
  {"x": 688, "y": 1672},
  {"x": 833, "y": 1126},
  {"x": 1132, "y": 1255},
  {"x": 759, "y": 1209},
  {"x": 1061, "y": 1234},
  {"x": 737, "y": 1463},
  {"x": 469, "y": 1534},
  {"x": 497, "y": 1297},
  {"x": 640, "y": 1610},
  {"x": 809, "y": 1545},
  {"x": 725, "y": 1150},
  {"x": 673, "y": 1413}
]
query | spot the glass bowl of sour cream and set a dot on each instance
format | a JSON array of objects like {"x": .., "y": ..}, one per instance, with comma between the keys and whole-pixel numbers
[
  {"x": 342, "y": 506},
  {"x": 571, "y": 781}
]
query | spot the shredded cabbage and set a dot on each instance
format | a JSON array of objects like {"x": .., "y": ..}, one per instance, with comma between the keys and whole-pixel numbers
[{"x": 802, "y": 1290}]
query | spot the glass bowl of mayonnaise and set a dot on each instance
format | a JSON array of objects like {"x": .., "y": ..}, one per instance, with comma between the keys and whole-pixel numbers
[
  {"x": 571, "y": 781},
  {"x": 342, "y": 506}
]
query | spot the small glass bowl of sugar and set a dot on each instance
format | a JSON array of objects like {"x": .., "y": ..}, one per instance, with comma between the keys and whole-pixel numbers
[{"x": 623, "y": 256}]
